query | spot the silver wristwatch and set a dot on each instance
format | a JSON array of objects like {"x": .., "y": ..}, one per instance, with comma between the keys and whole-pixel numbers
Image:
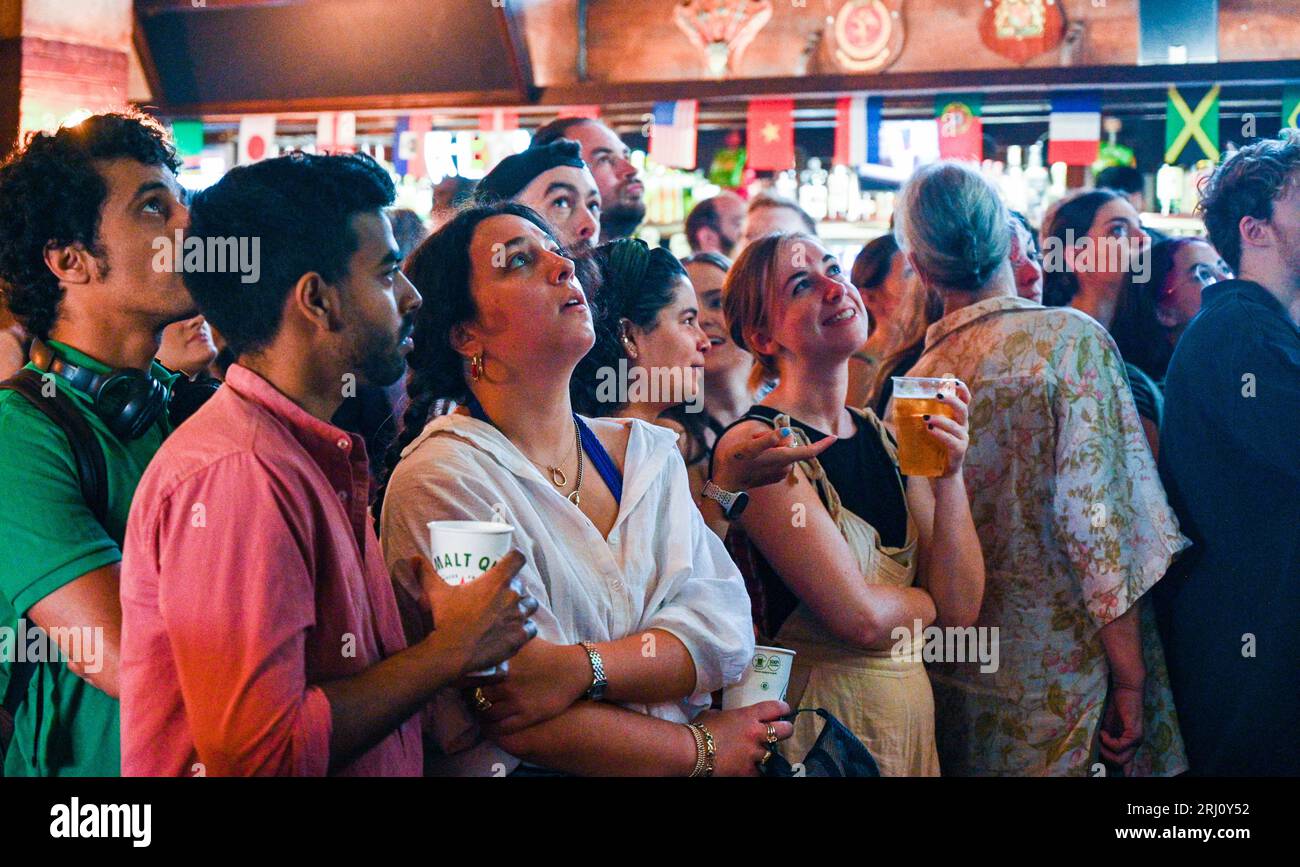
[
  {"x": 732, "y": 503},
  {"x": 596, "y": 691}
]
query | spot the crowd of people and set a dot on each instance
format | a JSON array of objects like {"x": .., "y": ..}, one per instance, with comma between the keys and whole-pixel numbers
[{"x": 224, "y": 484}]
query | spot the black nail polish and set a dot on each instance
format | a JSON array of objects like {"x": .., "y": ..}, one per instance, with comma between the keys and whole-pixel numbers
[
  {"x": 930, "y": 426},
  {"x": 926, "y": 417},
  {"x": 939, "y": 395}
]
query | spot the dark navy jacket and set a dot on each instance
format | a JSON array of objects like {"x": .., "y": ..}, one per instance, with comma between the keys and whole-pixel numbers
[{"x": 1230, "y": 610}]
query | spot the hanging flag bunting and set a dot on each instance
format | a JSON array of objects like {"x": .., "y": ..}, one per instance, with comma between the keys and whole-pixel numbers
[
  {"x": 673, "y": 133},
  {"x": 1074, "y": 128},
  {"x": 961, "y": 132},
  {"x": 336, "y": 132},
  {"x": 857, "y": 130},
  {"x": 188, "y": 135},
  {"x": 1291, "y": 106},
  {"x": 408, "y": 152},
  {"x": 591, "y": 111},
  {"x": 256, "y": 138},
  {"x": 401, "y": 157},
  {"x": 498, "y": 120},
  {"x": 1184, "y": 125},
  {"x": 769, "y": 140}
]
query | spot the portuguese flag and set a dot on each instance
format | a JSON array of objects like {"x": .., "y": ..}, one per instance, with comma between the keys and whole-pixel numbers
[{"x": 961, "y": 132}]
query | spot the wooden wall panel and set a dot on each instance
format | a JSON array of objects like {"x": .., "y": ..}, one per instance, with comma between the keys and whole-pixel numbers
[
  {"x": 1259, "y": 29},
  {"x": 637, "y": 41}
]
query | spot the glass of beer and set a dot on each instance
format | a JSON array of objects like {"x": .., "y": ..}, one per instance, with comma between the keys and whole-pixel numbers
[{"x": 919, "y": 453}]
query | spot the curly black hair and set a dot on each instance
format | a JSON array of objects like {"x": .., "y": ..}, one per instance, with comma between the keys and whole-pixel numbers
[
  {"x": 51, "y": 195},
  {"x": 440, "y": 269},
  {"x": 299, "y": 207}
]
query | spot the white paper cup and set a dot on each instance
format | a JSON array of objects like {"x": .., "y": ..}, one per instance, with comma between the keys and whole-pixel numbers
[
  {"x": 766, "y": 679},
  {"x": 462, "y": 551}
]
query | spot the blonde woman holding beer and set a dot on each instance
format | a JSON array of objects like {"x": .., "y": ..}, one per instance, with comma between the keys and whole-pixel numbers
[
  {"x": 641, "y": 613},
  {"x": 1073, "y": 519},
  {"x": 847, "y": 560}
]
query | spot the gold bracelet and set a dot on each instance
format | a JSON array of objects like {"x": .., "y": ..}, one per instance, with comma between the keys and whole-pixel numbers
[{"x": 705, "y": 750}]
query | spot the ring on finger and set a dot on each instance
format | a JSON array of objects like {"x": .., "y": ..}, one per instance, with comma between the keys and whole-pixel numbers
[
  {"x": 530, "y": 629},
  {"x": 771, "y": 734},
  {"x": 481, "y": 702},
  {"x": 763, "y": 761}
]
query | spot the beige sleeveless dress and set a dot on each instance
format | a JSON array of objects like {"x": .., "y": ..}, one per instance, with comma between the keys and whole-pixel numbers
[{"x": 885, "y": 701}]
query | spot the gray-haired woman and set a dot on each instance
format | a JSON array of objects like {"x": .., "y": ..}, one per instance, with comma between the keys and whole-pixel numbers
[{"x": 1071, "y": 516}]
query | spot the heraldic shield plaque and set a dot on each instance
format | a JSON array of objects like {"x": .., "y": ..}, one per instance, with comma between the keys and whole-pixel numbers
[
  {"x": 868, "y": 34},
  {"x": 1020, "y": 30}
]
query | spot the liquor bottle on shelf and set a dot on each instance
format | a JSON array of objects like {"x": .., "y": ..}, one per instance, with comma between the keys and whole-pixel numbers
[
  {"x": 812, "y": 190},
  {"x": 1036, "y": 180},
  {"x": 787, "y": 185},
  {"x": 841, "y": 189},
  {"x": 1169, "y": 189}
]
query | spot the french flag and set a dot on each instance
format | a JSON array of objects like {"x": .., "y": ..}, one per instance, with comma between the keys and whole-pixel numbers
[
  {"x": 1074, "y": 128},
  {"x": 857, "y": 130},
  {"x": 672, "y": 137}
]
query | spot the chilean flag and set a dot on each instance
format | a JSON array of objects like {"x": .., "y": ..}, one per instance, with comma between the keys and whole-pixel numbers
[
  {"x": 857, "y": 130},
  {"x": 1074, "y": 128},
  {"x": 673, "y": 135}
]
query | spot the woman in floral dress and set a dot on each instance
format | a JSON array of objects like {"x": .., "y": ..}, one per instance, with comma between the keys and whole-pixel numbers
[{"x": 1073, "y": 521}]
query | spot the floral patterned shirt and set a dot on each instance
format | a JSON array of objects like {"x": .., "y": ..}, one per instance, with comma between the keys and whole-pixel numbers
[{"x": 1075, "y": 529}]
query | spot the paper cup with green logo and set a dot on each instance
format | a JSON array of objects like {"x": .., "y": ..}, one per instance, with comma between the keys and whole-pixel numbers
[
  {"x": 462, "y": 551},
  {"x": 766, "y": 679}
]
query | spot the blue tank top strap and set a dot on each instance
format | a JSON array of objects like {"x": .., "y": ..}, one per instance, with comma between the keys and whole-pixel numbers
[{"x": 601, "y": 460}]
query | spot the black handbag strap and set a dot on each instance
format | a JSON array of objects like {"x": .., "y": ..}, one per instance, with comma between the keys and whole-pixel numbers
[
  {"x": 86, "y": 451},
  {"x": 91, "y": 472}
]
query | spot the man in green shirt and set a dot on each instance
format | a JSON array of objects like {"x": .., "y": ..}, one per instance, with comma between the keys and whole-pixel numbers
[{"x": 84, "y": 208}]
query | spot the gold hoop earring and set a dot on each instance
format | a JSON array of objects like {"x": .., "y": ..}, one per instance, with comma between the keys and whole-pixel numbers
[{"x": 476, "y": 367}]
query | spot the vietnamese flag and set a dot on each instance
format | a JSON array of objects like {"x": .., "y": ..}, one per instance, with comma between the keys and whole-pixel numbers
[
  {"x": 961, "y": 132},
  {"x": 770, "y": 137}
]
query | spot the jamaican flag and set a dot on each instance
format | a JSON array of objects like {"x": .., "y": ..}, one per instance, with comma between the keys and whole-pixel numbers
[{"x": 1192, "y": 125}]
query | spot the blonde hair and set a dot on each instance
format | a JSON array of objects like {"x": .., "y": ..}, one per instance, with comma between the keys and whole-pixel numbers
[{"x": 747, "y": 294}]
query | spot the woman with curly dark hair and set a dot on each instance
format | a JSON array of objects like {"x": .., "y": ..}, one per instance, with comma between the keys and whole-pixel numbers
[{"x": 617, "y": 554}]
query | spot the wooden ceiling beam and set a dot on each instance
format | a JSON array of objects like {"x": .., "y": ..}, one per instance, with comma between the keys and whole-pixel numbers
[
  {"x": 521, "y": 64},
  {"x": 396, "y": 101},
  {"x": 987, "y": 81}
]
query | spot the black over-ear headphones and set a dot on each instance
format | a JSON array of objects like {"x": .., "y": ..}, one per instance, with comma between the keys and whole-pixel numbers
[{"x": 129, "y": 401}]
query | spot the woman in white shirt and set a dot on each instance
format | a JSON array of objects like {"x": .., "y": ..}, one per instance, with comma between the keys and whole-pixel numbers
[{"x": 616, "y": 551}]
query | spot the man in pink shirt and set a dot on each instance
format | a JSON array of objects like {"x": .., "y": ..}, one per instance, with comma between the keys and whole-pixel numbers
[{"x": 260, "y": 632}]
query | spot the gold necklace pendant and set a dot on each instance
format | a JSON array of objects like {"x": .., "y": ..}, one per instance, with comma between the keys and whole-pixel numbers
[
  {"x": 558, "y": 478},
  {"x": 575, "y": 499}
]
